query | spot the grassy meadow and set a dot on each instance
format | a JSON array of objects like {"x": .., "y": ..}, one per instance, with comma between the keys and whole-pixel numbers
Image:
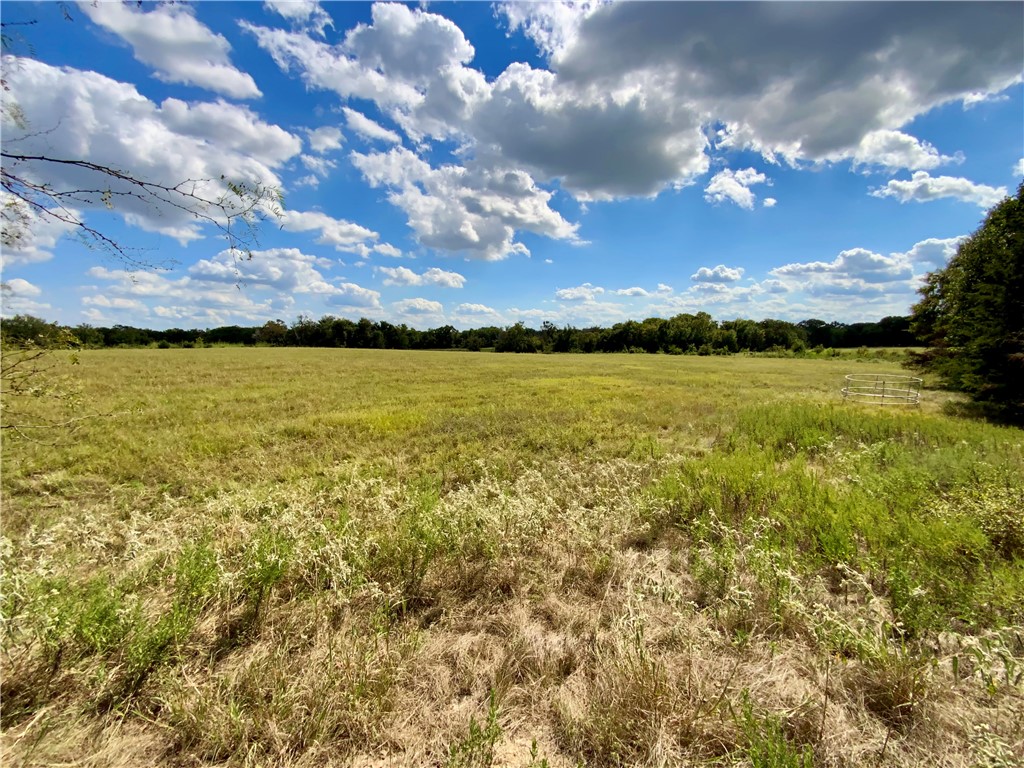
[{"x": 295, "y": 557}]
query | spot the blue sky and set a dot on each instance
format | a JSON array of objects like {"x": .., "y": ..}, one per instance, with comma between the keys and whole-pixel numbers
[{"x": 481, "y": 164}]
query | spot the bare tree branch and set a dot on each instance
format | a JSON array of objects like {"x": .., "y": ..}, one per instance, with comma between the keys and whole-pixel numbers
[{"x": 235, "y": 211}]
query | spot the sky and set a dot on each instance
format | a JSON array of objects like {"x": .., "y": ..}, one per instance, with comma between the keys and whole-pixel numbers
[{"x": 483, "y": 164}]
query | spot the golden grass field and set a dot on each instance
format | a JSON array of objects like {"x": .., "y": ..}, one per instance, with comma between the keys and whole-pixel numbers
[{"x": 294, "y": 557}]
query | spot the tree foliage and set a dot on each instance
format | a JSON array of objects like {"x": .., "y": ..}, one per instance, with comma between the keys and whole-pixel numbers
[
  {"x": 972, "y": 314},
  {"x": 682, "y": 334}
]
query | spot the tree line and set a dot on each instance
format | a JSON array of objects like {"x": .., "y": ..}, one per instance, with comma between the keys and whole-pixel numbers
[{"x": 697, "y": 334}]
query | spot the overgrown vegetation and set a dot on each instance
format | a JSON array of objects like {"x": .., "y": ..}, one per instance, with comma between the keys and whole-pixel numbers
[
  {"x": 971, "y": 315},
  {"x": 310, "y": 557}
]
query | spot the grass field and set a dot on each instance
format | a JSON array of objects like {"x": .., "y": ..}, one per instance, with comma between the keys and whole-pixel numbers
[{"x": 291, "y": 557}]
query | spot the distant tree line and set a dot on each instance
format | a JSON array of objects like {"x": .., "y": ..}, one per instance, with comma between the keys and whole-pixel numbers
[{"x": 697, "y": 334}]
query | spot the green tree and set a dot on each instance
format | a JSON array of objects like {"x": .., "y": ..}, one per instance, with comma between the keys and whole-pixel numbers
[{"x": 971, "y": 315}]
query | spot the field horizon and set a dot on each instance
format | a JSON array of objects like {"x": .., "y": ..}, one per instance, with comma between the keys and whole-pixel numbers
[{"x": 299, "y": 557}]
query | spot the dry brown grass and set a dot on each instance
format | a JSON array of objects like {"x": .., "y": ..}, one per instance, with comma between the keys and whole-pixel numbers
[{"x": 578, "y": 598}]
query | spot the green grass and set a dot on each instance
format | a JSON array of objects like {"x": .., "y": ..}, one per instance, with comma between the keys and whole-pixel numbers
[{"x": 286, "y": 557}]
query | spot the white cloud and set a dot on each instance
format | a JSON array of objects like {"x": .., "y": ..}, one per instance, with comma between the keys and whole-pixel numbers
[
  {"x": 734, "y": 186},
  {"x": 718, "y": 274},
  {"x": 116, "y": 303},
  {"x": 223, "y": 289},
  {"x": 302, "y": 13},
  {"x": 433, "y": 276},
  {"x": 774, "y": 286},
  {"x": 312, "y": 180},
  {"x": 632, "y": 89},
  {"x": 893, "y": 150},
  {"x": 935, "y": 252},
  {"x": 172, "y": 41},
  {"x": 30, "y": 236},
  {"x": 356, "y": 297},
  {"x": 854, "y": 264},
  {"x": 420, "y": 313},
  {"x": 282, "y": 269},
  {"x": 86, "y": 115},
  {"x": 634, "y": 291},
  {"x": 475, "y": 309},
  {"x": 320, "y": 166},
  {"x": 477, "y": 211},
  {"x": 343, "y": 235},
  {"x": 769, "y": 202},
  {"x": 585, "y": 292},
  {"x": 417, "y": 306},
  {"x": 368, "y": 128},
  {"x": 19, "y": 287},
  {"x": 553, "y": 26},
  {"x": 922, "y": 187},
  {"x": 387, "y": 249},
  {"x": 1018, "y": 168},
  {"x": 230, "y": 127},
  {"x": 387, "y": 61},
  {"x": 196, "y": 302},
  {"x": 325, "y": 138}
]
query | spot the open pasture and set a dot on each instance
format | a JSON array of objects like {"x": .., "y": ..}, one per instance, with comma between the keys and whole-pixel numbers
[{"x": 299, "y": 557}]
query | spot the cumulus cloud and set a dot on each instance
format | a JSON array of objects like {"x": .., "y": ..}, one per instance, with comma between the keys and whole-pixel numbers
[
  {"x": 734, "y": 186},
  {"x": 476, "y": 210},
  {"x": 922, "y": 188},
  {"x": 282, "y": 269},
  {"x": 433, "y": 276},
  {"x": 310, "y": 180},
  {"x": 19, "y": 287},
  {"x": 343, "y": 235},
  {"x": 635, "y": 291},
  {"x": 585, "y": 292},
  {"x": 417, "y": 306},
  {"x": 116, "y": 303},
  {"x": 420, "y": 313},
  {"x": 302, "y": 13},
  {"x": 935, "y": 252},
  {"x": 18, "y": 296},
  {"x": 553, "y": 26},
  {"x": 176, "y": 45},
  {"x": 368, "y": 128},
  {"x": 718, "y": 274},
  {"x": 475, "y": 309},
  {"x": 355, "y": 296},
  {"x": 84, "y": 114},
  {"x": 325, "y": 139},
  {"x": 224, "y": 289},
  {"x": 774, "y": 286},
  {"x": 195, "y": 302},
  {"x": 230, "y": 127},
  {"x": 893, "y": 150},
  {"x": 600, "y": 145},
  {"x": 769, "y": 202},
  {"x": 30, "y": 235},
  {"x": 853, "y": 264},
  {"x": 632, "y": 89},
  {"x": 387, "y": 249},
  {"x": 862, "y": 67},
  {"x": 1018, "y": 168},
  {"x": 320, "y": 166},
  {"x": 389, "y": 61}
]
